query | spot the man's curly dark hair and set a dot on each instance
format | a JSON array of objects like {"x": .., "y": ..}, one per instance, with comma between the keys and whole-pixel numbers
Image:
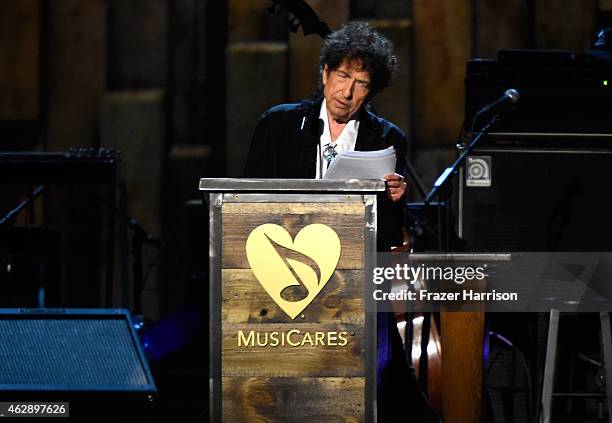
[{"x": 359, "y": 41}]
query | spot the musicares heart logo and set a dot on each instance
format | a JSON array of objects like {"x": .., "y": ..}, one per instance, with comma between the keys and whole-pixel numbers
[{"x": 293, "y": 272}]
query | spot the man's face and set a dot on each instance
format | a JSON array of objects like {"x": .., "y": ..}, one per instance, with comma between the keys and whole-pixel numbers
[{"x": 345, "y": 89}]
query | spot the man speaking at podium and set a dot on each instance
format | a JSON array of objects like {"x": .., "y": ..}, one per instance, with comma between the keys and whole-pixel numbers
[{"x": 300, "y": 140}]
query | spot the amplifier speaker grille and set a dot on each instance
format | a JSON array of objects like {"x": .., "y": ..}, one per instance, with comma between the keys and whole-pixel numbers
[
  {"x": 75, "y": 350},
  {"x": 540, "y": 200}
]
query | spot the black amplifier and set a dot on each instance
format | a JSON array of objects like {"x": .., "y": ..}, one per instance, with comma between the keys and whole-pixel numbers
[
  {"x": 560, "y": 92},
  {"x": 536, "y": 199}
]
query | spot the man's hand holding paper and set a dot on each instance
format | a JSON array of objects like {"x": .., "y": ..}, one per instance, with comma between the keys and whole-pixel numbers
[
  {"x": 396, "y": 186},
  {"x": 379, "y": 164}
]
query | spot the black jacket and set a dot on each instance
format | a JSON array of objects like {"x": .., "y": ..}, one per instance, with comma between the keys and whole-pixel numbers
[{"x": 285, "y": 143}]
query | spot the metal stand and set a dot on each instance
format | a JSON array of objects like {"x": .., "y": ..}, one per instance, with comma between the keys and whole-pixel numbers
[{"x": 551, "y": 358}]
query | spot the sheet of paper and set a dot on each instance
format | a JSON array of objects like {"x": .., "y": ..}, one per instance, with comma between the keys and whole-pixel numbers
[{"x": 362, "y": 164}]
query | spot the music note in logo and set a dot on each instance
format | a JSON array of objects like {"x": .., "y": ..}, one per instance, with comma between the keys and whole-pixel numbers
[{"x": 293, "y": 272}]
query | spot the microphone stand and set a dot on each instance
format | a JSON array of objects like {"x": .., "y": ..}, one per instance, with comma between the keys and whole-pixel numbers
[
  {"x": 139, "y": 239},
  {"x": 428, "y": 217},
  {"x": 12, "y": 214},
  {"x": 451, "y": 170}
]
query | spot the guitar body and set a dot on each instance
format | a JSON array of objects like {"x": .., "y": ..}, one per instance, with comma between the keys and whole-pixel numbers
[{"x": 427, "y": 358}]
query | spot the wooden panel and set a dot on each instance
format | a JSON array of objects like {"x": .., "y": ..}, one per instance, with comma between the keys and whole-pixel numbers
[
  {"x": 500, "y": 25},
  {"x": 304, "y": 51},
  {"x": 137, "y": 43},
  {"x": 313, "y": 367},
  {"x": 462, "y": 366},
  {"x": 388, "y": 9},
  {"x": 394, "y": 103},
  {"x": 245, "y": 301},
  {"x": 442, "y": 47},
  {"x": 293, "y": 361},
  {"x": 605, "y": 5},
  {"x": 133, "y": 122},
  {"x": 77, "y": 71},
  {"x": 249, "y": 20},
  {"x": 19, "y": 66},
  {"x": 239, "y": 219},
  {"x": 187, "y": 70},
  {"x": 293, "y": 400},
  {"x": 256, "y": 81},
  {"x": 565, "y": 24}
]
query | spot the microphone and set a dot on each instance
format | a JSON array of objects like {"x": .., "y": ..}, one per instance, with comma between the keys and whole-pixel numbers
[
  {"x": 510, "y": 96},
  {"x": 307, "y": 116},
  {"x": 306, "y": 109}
]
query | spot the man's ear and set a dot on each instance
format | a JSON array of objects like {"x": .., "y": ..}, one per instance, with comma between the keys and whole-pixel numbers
[{"x": 325, "y": 74}]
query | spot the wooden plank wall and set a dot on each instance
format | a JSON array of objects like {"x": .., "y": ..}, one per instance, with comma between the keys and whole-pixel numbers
[
  {"x": 187, "y": 71},
  {"x": 565, "y": 24},
  {"x": 256, "y": 80},
  {"x": 20, "y": 23},
  {"x": 462, "y": 366},
  {"x": 256, "y": 63},
  {"x": 394, "y": 104},
  {"x": 248, "y": 20},
  {"x": 500, "y": 25},
  {"x": 442, "y": 47},
  {"x": 137, "y": 44},
  {"x": 76, "y": 71},
  {"x": 304, "y": 51}
]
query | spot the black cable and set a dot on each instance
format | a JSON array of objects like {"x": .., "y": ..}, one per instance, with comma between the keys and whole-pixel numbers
[{"x": 161, "y": 246}]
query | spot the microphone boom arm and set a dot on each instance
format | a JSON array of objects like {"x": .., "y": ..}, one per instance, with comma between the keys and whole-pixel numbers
[{"x": 445, "y": 176}]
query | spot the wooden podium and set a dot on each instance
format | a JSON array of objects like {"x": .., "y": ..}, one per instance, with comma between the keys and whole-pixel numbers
[{"x": 290, "y": 336}]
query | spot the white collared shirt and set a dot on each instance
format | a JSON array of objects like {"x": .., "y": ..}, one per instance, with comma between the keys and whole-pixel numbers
[{"x": 345, "y": 141}]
